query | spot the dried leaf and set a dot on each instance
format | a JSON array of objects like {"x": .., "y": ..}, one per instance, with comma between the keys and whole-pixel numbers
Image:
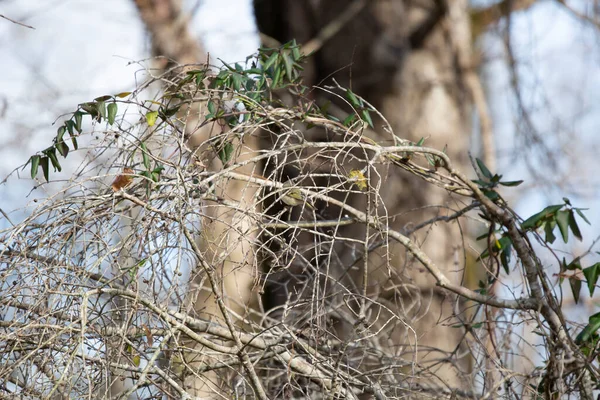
[
  {"x": 148, "y": 335},
  {"x": 122, "y": 181}
]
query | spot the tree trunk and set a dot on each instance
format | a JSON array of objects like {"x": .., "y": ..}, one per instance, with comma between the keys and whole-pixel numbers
[
  {"x": 229, "y": 237},
  {"x": 407, "y": 59}
]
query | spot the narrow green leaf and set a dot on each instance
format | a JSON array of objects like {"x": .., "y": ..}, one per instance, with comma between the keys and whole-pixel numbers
[
  {"x": 276, "y": 78},
  {"x": 484, "y": 170},
  {"x": 101, "y": 109},
  {"x": 352, "y": 98},
  {"x": 592, "y": 326},
  {"x": 270, "y": 61},
  {"x": 591, "y": 274},
  {"x": 102, "y": 98},
  {"x": 511, "y": 183},
  {"x": 575, "y": 288},
  {"x": 535, "y": 221},
  {"x": 60, "y": 132},
  {"x": 287, "y": 62},
  {"x": 420, "y": 142},
  {"x": 296, "y": 52},
  {"x": 145, "y": 158},
  {"x": 35, "y": 162},
  {"x": 51, "y": 153},
  {"x": 491, "y": 194},
  {"x": 349, "y": 120},
  {"x": 506, "y": 246},
  {"x": 62, "y": 148},
  {"x": 169, "y": 112},
  {"x": 562, "y": 220},
  {"x": 549, "y": 231},
  {"x": 45, "y": 169},
  {"x": 367, "y": 118},
  {"x": 70, "y": 125},
  {"x": 78, "y": 116},
  {"x": 112, "y": 112},
  {"x": 579, "y": 212},
  {"x": 226, "y": 152},
  {"x": 573, "y": 225}
]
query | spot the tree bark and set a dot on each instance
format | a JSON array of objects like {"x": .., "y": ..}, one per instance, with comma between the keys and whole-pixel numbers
[
  {"x": 228, "y": 239},
  {"x": 406, "y": 58}
]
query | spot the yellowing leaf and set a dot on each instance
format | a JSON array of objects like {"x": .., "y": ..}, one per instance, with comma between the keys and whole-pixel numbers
[
  {"x": 122, "y": 94},
  {"x": 359, "y": 179},
  {"x": 151, "y": 117},
  {"x": 136, "y": 360}
]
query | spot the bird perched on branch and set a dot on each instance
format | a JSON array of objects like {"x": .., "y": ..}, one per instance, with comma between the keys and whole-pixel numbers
[{"x": 293, "y": 196}]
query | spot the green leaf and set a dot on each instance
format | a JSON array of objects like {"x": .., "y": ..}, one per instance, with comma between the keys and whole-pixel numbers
[
  {"x": 352, "y": 98},
  {"x": 589, "y": 330},
  {"x": 420, "y": 142},
  {"x": 145, "y": 158},
  {"x": 51, "y": 153},
  {"x": 158, "y": 170},
  {"x": 112, "y": 112},
  {"x": 270, "y": 61},
  {"x": 101, "y": 109},
  {"x": 287, "y": 62},
  {"x": 484, "y": 170},
  {"x": 549, "y": 231},
  {"x": 296, "y": 51},
  {"x": 151, "y": 117},
  {"x": 367, "y": 118},
  {"x": 78, "y": 116},
  {"x": 505, "y": 246},
  {"x": 562, "y": 219},
  {"x": 579, "y": 212},
  {"x": 211, "y": 107},
  {"x": 349, "y": 120},
  {"x": 71, "y": 129},
  {"x": 491, "y": 194},
  {"x": 35, "y": 162},
  {"x": 575, "y": 288},
  {"x": 168, "y": 112},
  {"x": 45, "y": 169},
  {"x": 226, "y": 152},
  {"x": 276, "y": 78},
  {"x": 591, "y": 275},
  {"x": 61, "y": 146},
  {"x": 573, "y": 226},
  {"x": 510, "y": 183},
  {"x": 102, "y": 99},
  {"x": 535, "y": 221}
]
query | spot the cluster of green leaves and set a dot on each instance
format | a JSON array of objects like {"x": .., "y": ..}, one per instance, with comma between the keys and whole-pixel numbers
[
  {"x": 269, "y": 70},
  {"x": 490, "y": 181},
  {"x": 102, "y": 108},
  {"x": 561, "y": 215},
  {"x": 362, "y": 110},
  {"x": 590, "y": 273}
]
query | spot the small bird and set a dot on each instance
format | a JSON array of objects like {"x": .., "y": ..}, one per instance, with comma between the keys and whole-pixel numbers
[{"x": 294, "y": 197}]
